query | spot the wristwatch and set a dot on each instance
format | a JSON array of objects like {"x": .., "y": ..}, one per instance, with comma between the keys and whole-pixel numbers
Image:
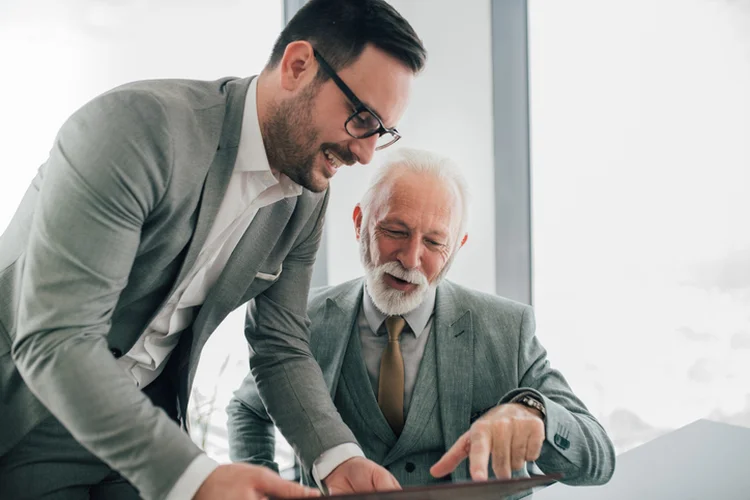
[{"x": 530, "y": 400}]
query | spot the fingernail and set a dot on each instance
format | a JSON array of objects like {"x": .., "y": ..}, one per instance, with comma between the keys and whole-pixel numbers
[{"x": 479, "y": 474}]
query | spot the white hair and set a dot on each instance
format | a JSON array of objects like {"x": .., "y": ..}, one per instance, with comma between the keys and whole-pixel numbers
[{"x": 419, "y": 162}]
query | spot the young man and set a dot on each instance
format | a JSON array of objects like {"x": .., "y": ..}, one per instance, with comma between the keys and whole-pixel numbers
[
  {"x": 425, "y": 372},
  {"x": 163, "y": 206}
]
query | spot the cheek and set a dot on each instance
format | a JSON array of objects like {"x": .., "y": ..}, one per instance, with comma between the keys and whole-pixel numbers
[
  {"x": 385, "y": 250},
  {"x": 432, "y": 265},
  {"x": 328, "y": 120}
]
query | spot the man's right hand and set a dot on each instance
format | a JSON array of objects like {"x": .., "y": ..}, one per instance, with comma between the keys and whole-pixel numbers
[
  {"x": 249, "y": 482},
  {"x": 360, "y": 475}
]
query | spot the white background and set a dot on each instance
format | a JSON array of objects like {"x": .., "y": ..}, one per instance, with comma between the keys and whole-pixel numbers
[{"x": 640, "y": 119}]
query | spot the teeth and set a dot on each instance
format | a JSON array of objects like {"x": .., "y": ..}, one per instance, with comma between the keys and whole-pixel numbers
[{"x": 333, "y": 159}]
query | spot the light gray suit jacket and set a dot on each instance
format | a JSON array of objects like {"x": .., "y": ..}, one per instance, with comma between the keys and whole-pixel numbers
[
  {"x": 108, "y": 228},
  {"x": 486, "y": 353}
]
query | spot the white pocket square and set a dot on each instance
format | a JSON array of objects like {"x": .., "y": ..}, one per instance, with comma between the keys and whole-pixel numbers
[{"x": 270, "y": 277}]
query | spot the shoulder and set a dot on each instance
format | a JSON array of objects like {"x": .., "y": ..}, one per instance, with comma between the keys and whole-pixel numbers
[
  {"x": 152, "y": 110},
  {"x": 160, "y": 108},
  {"x": 173, "y": 94},
  {"x": 500, "y": 324},
  {"x": 319, "y": 295},
  {"x": 482, "y": 303}
]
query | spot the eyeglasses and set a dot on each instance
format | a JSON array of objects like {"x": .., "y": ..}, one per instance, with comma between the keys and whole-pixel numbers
[{"x": 364, "y": 122}]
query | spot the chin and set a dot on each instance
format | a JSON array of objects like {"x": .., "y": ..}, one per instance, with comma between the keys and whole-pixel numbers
[
  {"x": 391, "y": 301},
  {"x": 314, "y": 181},
  {"x": 318, "y": 185}
]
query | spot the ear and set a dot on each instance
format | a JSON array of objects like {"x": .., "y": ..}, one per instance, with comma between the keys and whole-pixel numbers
[
  {"x": 298, "y": 66},
  {"x": 357, "y": 218}
]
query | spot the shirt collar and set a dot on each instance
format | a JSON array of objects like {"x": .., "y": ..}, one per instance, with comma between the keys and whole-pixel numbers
[
  {"x": 251, "y": 152},
  {"x": 416, "y": 319}
]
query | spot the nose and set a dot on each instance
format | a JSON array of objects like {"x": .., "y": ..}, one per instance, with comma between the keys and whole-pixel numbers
[
  {"x": 365, "y": 148},
  {"x": 410, "y": 254}
]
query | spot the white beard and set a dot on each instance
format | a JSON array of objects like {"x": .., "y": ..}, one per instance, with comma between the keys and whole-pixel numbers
[{"x": 388, "y": 300}]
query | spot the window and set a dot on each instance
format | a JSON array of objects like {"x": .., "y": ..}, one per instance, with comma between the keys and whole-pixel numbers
[{"x": 640, "y": 115}]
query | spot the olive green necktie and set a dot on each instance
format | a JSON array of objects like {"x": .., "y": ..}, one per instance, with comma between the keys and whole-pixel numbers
[{"x": 391, "y": 383}]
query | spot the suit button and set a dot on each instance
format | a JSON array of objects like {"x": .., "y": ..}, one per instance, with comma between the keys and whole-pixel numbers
[
  {"x": 409, "y": 467},
  {"x": 562, "y": 442},
  {"x": 116, "y": 352}
]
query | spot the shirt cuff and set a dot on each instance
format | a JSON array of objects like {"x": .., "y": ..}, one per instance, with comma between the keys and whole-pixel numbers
[
  {"x": 192, "y": 479},
  {"x": 330, "y": 459}
]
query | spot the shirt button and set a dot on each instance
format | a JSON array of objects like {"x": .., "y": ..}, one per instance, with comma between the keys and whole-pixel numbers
[
  {"x": 116, "y": 352},
  {"x": 409, "y": 467}
]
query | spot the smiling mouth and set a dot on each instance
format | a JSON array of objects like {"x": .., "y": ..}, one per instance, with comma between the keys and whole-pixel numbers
[
  {"x": 399, "y": 280},
  {"x": 333, "y": 160},
  {"x": 400, "y": 284}
]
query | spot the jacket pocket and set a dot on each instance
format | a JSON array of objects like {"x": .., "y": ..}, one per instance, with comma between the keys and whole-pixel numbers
[{"x": 273, "y": 276}]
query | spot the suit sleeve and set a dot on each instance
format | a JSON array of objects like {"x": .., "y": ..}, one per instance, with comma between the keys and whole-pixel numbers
[
  {"x": 289, "y": 380},
  {"x": 252, "y": 437},
  {"x": 576, "y": 444},
  {"x": 108, "y": 169}
]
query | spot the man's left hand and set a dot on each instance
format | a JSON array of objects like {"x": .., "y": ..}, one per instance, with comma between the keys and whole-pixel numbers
[{"x": 511, "y": 432}]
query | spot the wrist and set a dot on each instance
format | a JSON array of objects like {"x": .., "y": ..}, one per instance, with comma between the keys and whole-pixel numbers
[
  {"x": 330, "y": 460},
  {"x": 531, "y": 411},
  {"x": 529, "y": 401},
  {"x": 348, "y": 461}
]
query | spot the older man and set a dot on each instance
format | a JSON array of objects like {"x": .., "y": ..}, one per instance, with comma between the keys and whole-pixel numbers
[{"x": 425, "y": 372}]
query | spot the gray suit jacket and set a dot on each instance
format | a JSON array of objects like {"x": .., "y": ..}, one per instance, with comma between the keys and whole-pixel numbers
[
  {"x": 486, "y": 353},
  {"x": 110, "y": 225}
]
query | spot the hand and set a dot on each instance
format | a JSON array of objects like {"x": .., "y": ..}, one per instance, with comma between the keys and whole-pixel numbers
[
  {"x": 512, "y": 433},
  {"x": 360, "y": 475},
  {"x": 249, "y": 482}
]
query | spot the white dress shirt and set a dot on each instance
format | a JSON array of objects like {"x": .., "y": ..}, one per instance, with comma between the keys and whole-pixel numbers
[
  {"x": 373, "y": 337},
  {"x": 252, "y": 186}
]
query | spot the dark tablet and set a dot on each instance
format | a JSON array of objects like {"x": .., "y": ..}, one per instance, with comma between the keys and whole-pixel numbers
[{"x": 494, "y": 489}]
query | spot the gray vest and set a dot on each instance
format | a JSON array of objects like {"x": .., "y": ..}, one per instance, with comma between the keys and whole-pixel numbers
[{"x": 421, "y": 444}]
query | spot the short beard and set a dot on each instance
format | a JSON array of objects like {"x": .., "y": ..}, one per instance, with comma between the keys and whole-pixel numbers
[
  {"x": 290, "y": 138},
  {"x": 388, "y": 300}
]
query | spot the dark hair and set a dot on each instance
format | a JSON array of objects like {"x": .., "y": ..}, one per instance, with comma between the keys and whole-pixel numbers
[{"x": 340, "y": 29}]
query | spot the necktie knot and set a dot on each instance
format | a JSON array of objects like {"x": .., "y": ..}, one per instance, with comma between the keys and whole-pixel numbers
[{"x": 394, "y": 325}]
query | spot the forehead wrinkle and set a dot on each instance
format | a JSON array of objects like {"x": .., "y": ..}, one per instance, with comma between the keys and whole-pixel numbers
[
  {"x": 397, "y": 189},
  {"x": 411, "y": 218}
]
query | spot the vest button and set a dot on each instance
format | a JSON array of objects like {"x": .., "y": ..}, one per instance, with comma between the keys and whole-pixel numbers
[
  {"x": 409, "y": 467},
  {"x": 116, "y": 352}
]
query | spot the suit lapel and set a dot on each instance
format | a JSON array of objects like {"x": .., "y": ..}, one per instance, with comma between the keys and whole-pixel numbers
[
  {"x": 212, "y": 194},
  {"x": 251, "y": 251},
  {"x": 218, "y": 175},
  {"x": 331, "y": 334},
  {"x": 422, "y": 406},
  {"x": 455, "y": 374}
]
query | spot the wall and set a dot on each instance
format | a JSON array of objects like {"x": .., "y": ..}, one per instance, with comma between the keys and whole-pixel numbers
[{"x": 450, "y": 113}]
